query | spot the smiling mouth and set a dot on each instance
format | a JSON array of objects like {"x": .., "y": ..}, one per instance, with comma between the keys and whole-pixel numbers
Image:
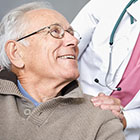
[{"x": 67, "y": 57}]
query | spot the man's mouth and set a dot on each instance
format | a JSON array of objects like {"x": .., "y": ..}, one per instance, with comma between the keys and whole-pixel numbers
[{"x": 67, "y": 57}]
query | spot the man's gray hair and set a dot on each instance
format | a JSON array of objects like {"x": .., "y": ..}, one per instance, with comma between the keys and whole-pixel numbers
[{"x": 13, "y": 26}]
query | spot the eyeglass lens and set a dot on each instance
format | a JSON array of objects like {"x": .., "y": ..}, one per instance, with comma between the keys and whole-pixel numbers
[{"x": 58, "y": 32}]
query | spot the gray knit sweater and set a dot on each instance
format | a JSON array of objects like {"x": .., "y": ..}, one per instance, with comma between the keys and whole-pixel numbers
[{"x": 70, "y": 116}]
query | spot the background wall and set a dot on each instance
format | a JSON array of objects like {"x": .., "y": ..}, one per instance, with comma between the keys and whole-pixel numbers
[{"x": 69, "y": 8}]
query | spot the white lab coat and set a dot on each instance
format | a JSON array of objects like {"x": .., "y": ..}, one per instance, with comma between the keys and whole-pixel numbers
[{"x": 95, "y": 23}]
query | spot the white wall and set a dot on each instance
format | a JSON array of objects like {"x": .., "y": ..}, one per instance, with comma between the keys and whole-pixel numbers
[{"x": 69, "y": 8}]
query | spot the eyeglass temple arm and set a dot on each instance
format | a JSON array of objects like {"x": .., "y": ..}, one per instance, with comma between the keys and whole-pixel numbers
[{"x": 31, "y": 34}]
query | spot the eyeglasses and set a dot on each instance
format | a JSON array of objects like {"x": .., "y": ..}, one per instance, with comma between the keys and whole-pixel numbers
[{"x": 56, "y": 31}]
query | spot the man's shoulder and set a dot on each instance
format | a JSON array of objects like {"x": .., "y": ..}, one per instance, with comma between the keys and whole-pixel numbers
[
  {"x": 96, "y": 117},
  {"x": 97, "y": 112}
]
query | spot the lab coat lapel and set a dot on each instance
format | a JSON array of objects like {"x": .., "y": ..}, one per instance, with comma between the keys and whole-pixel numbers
[{"x": 134, "y": 10}]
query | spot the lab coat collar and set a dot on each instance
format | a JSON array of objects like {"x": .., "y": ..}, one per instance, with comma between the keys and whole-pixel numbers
[{"x": 134, "y": 10}]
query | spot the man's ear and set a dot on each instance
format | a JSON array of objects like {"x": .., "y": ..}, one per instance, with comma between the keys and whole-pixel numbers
[{"x": 14, "y": 53}]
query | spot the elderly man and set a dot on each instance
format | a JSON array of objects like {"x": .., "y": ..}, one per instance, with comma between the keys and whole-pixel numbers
[{"x": 43, "y": 100}]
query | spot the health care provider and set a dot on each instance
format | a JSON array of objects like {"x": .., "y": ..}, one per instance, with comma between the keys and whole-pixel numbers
[{"x": 109, "y": 55}]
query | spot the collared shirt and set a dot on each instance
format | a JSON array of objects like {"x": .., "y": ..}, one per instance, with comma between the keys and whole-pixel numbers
[{"x": 26, "y": 94}]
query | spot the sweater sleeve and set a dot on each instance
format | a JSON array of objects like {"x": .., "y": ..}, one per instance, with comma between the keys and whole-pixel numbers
[{"x": 111, "y": 129}]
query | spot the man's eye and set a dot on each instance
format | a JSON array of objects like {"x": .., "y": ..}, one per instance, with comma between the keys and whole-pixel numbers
[{"x": 57, "y": 31}]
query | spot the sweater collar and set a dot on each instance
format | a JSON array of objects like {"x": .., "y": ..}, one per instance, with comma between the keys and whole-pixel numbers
[{"x": 8, "y": 85}]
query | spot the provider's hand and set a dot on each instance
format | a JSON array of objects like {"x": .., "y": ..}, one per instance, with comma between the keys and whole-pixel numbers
[{"x": 110, "y": 103}]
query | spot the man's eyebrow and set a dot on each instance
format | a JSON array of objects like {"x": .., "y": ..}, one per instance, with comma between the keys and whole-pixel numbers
[
  {"x": 70, "y": 27},
  {"x": 57, "y": 23}
]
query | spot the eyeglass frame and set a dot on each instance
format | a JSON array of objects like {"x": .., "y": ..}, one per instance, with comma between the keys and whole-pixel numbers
[{"x": 48, "y": 27}]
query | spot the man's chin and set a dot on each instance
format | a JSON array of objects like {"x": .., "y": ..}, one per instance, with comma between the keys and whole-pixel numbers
[{"x": 75, "y": 76}]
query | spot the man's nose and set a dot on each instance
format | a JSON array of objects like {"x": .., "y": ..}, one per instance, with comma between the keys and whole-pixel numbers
[{"x": 70, "y": 40}]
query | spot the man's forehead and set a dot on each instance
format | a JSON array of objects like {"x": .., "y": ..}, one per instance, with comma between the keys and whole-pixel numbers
[
  {"x": 39, "y": 11},
  {"x": 45, "y": 15}
]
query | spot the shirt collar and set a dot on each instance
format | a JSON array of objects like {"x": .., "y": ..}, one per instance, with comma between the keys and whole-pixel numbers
[{"x": 25, "y": 94}]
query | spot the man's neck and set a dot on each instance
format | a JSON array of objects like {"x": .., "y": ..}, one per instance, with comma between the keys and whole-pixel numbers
[{"x": 42, "y": 90}]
